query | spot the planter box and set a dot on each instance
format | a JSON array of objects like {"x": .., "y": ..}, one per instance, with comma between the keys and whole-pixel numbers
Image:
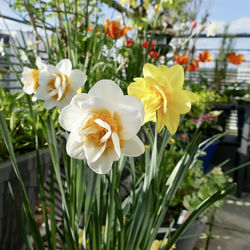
[{"x": 10, "y": 235}]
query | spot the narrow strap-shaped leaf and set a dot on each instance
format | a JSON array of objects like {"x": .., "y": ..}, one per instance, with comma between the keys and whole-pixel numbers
[{"x": 21, "y": 221}]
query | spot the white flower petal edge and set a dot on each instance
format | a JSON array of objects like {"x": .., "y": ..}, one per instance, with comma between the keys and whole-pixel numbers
[
  {"x": 101, "y": 132},
  {"x": 133, "y": 147}
]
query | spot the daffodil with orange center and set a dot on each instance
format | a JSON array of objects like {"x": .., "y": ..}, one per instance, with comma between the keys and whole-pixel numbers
[
  {"x": 181, "y": 59},
  {"x": 30, "y": 77},
  {"x": 235, "y": 59},
  {"x": 103, "y": 125},
  {"x": 162, "y": 95},
  {"x": 205, "y": 56},
  {"x": 58, "y": 84},
  {"x": 114, "y": 30}
]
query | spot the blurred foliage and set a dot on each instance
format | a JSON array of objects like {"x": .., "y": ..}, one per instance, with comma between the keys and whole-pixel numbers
[{"x": 20, "y": 123}]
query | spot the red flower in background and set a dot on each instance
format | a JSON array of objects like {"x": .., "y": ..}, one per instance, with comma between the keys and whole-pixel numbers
[
  {"x": 114, "y": 30},
  {"x": 181, "y": 59},
  {"x": 194, "y": 24},
  {"x": 193, "y": 65},
  {"x": 128, "y": 43},
  {"x": 235, "y": 59},
  {"x": 146, "y": 44},
  {"x": 154, "y": 54},
  {"x": 205, "y": 56}
]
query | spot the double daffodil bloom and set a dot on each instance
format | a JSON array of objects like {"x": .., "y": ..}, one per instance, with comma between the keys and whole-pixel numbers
[
  {"x": 162, "y": 95},
  {"x": 103, "y": 125},
  {"x": 58, "y": 84},
  {"x": 30, "y": 77}
]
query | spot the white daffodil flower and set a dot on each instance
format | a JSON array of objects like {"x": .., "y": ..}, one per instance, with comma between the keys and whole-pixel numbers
[
  {"x": 2, "y": 53},
  {"x": 103, "y": 125},
  {"x": 58, "y": 84},
  {"x": 30, "y": 77},
  {"x": 212, "y": 29}
]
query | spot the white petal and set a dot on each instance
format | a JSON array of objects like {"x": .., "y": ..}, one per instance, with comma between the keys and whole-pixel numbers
[
  {"x": 106, "y": 126},
  {"x": 116, "y": 142},
  {"x": 131, "y": 120},
  {"x": 65, "y": 66},
  {"x": 93, "y": 152},
  {"x": 52, "y": 69},
  {"x": 133, "y": 147},
  {"x": 74, "y": 147},
  {"x": 49, "y": 103},
  {"x": 70, "y": 116},
  {"x": 40, "y": 65},
  {"x": 107, "y": 90},
  {"x": 133, "y": 102},
  {"x": 27, "y": 80},
  {"x": 104, "y": 163},
  {"x": 66, "y": 100},
  {"x": 92, "y": 103},
  {"x": 44, "y": 78},
  {"x": 77, "y": 78},
  {"x": 78, "y": 99}
]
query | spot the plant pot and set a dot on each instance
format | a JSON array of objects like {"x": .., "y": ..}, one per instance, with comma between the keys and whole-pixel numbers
[
  {"x": 190, "y": 236},
  {"x": 10, "y": 235},
  {"x": 208, "y": 157}
]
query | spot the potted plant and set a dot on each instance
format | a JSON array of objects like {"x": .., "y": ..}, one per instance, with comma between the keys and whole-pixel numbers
[{"x": 195, "y": 188}]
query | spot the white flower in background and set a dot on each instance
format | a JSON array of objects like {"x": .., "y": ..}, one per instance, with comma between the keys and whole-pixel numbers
[
  {"x": 23, "y": 55},
  {"x": 103, "y": 125},
  {"x": 30, "y": 77},
  {"x": 58, "y": 84},
  {"x": 2, "y": 53},
  {"x": 212, "y": 29},
  {"x": 30, "y": 45}
]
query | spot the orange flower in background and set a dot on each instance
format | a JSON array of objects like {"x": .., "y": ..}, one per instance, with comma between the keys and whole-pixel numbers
[
  {"x": 181, "y": 59},
  {"x": 193, "y": 65},
  {"x": 90, "y": 28},
  {"x": 114, "y": 30},
  {"x": 205, "y": 56},
  {"x": 235, "y": 59}
]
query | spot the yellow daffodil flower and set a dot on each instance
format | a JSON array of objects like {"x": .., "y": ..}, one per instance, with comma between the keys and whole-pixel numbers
[
  {"x": 157, "y": 244},
  {"x": 162, "y": 95}
]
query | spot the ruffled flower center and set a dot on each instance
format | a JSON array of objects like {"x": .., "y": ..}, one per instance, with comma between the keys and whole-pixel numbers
[
  {"x": 58, "y": 86},
  {"x": 101, "y": 127},
  {"x": 35, "y": 77}
]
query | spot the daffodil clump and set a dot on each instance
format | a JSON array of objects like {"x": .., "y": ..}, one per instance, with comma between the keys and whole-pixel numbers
[{"x": 160, "y": 91}]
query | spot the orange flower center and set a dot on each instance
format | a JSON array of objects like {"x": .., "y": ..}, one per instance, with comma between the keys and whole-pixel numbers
[
  {"x": 98, "y": 132},
  {"x": 35, "y": 77},
  {"x": 52, "y": 85}
]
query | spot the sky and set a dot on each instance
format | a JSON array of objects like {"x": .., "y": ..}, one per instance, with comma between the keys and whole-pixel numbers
[{"x": 234, "y": 12}]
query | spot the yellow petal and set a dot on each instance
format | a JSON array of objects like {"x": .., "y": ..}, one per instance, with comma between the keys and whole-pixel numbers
[
  {"x": 162, "y": 119},
  {"x": 180, "y": 102},
  {"x": 172, "y": 121},
  {"x": 150, "y": 116},
  {"x": 175, "y": 76},
  {"x": 192, "y": 96},
  {"x": 150, "y": 70}
]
